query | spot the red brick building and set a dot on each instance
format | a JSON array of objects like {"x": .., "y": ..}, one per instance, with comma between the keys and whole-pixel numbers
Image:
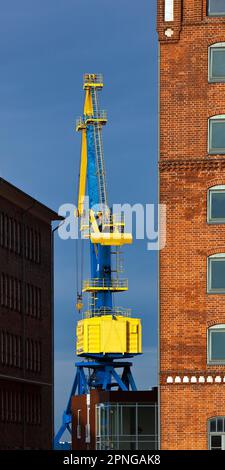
[
  {"x": 26, "y": 321},
  {"x": 192, "y": 185}
]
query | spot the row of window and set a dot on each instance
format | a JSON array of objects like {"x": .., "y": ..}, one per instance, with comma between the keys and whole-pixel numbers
[
  {"x": 11, "y": 295},
  {"x": 11, "y": 352},
  {"x": 11, "y": 238},
  {"x": 16, "y": 407}
]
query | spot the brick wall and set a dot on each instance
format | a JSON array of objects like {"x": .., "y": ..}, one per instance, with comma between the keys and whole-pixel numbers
[
  {"x": 187, "y": 100},
  {"x": 186, "y": 409}
]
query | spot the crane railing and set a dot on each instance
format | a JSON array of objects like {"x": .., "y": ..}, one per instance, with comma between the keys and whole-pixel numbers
[
  {"x": 115, "y": 311},
  {"x": 105, "y": 284},
  {"x": 99, "y": 117},
  {"x": 93, "y": 79}
]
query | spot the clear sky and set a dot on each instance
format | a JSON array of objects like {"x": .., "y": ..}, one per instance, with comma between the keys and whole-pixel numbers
[{"x": 45, "y": 47}]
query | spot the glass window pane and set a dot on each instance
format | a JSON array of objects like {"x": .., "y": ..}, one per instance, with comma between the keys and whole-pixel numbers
[
  {"x": 218, "y": 350},
  {"x": 219, "y": 425},
  {"x": 213, "y": 425},
  {"x": 217, "y": 202},
  {"x": 147, "y": 445},
  {"x": 126, "y": 446},
  {"x": 146, "y": 420},
  {"x": 216, "y": 442},
  {"x": 113, "y": 420},
  {"x": 217, "y": 135},
  {"x": 216, "y": 7},
  {"x": 217, "y": 267},
  {"x": 129, "y": 420},
  {"x": 218, "y": 63}
]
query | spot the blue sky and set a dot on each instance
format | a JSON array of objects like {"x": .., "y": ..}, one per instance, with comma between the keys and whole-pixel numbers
[{"x": 45, "y": 48}]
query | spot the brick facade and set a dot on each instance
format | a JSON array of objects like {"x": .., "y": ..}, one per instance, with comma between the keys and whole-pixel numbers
[
  {"x": 191, "y": 391},
  {"x": 26, "y": 323}
]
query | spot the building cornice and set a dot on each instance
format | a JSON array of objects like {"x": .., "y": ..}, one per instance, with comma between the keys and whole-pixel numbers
[{"x": 180, "y": 166}]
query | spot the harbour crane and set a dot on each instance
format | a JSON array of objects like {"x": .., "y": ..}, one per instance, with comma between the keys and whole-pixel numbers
[{"x": 106, "y": 334}]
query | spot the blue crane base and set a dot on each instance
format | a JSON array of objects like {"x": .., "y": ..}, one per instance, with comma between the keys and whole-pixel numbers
[{"x": 103, "y": 376}]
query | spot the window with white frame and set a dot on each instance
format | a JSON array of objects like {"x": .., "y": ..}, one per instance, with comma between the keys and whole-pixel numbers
[
  {"x": 216, "y": 8},
  {"x": 216, "y": 274},
  {"x": 217, "y": 62},
  {"x": 216, "y": 431},
  {"x": 216, "y": 205},
  {"x": 216, "y": 139},
  {"x": 216, "y": 344}
]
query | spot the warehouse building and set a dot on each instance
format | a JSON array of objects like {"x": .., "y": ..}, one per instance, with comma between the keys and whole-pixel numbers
[
  {"x": 115, "y": 420},
  {"x": 26, "y": 321},
  {"x": 192, "y": 185}
]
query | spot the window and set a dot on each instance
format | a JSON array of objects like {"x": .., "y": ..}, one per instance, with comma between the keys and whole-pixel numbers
[
  {"x": 217, "y": 62},
  {"x": 217, "y": 433},
  {"x": 216, "y": 344},
  {"x": 123, "y": 426},
  {"x": 33, "y": 301},
  {"x": 10, "y": 233},
  {"x": 32, "y": 244},
  {"x": 10, "y": 406},
  {"x": 216, "y": 274},
  {"x": 217, "y": 135},
  {"x": 32, "y": 408},
  {"x": 10, "y": 292},
  {"x": 169, "y": 7},
  {"x": 216, "y": 205},
  {"x": 10, "y": 349},
  {"x": 33, "y": 355},
  {"x": 216, "y": 8}
]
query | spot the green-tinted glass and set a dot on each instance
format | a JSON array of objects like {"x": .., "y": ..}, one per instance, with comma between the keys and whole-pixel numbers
[
  {"x": 218, "y": 349},
  {"x": 217, "y": 135},
  {"x": 217, "y": 201},
  {"x": 218, "y": 63}
]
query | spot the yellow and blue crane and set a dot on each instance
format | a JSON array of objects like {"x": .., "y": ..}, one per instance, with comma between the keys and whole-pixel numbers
[{"x": 106, "y": 334}]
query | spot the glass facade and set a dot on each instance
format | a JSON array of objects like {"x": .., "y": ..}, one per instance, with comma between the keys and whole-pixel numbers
[
  {"x": 122, "y": 426},
  {"x": 216, "y": 8},
  {"x": 217, "y": 433}
]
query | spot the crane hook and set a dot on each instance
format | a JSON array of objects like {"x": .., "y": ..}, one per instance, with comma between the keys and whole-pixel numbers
[{"x": 79, "y": 303}]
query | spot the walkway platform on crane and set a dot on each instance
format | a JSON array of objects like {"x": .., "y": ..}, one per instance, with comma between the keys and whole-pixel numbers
[{"x": 103, "y": 284}]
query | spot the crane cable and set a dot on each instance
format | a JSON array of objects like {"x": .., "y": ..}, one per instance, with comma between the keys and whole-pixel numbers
[{"x": 79, "y": 263}]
